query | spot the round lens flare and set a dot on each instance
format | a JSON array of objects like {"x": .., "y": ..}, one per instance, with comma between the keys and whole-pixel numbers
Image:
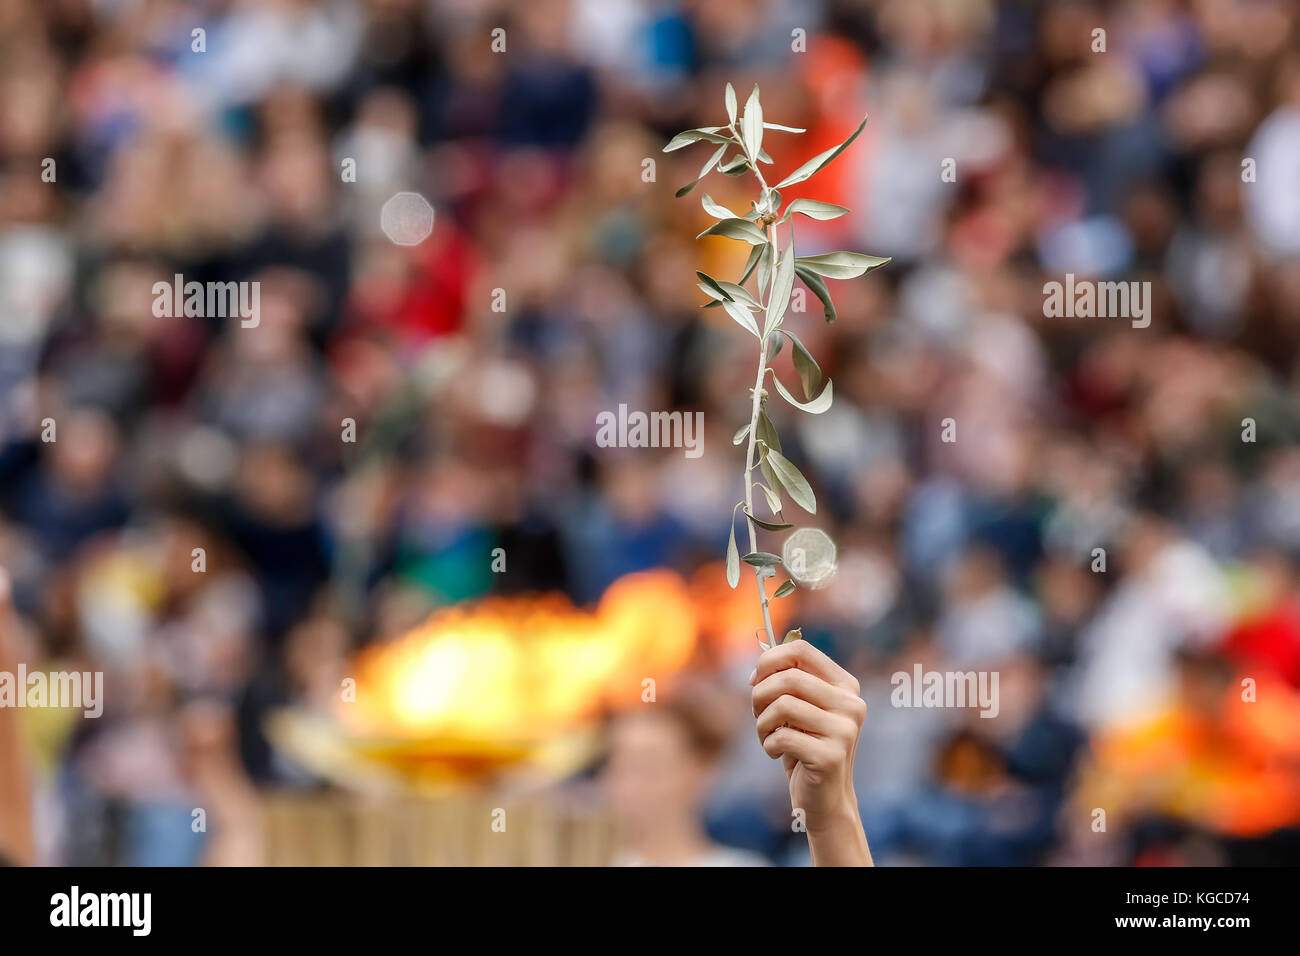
[
  {"x": 809, "y": 557},
  {"x": 407, "y": 219}
]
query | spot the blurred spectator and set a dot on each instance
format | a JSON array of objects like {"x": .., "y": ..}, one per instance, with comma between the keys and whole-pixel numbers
[{"x": 657, "y": 773}]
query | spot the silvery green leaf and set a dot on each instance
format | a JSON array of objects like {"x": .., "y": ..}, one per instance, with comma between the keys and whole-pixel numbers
[
  {"x": 764, "y": 158},
  {"x": 820, "y": 160},
  {"x": 755, "y": 255},
  {"x": 716, "y": 210},
  {"x": 731, "y": 103},
  {"x": 815, "y": 209},
  {"x": 773, "y": 483},
  {"x": 769, "y": 525},
  {"x": 713, "y": 287},
  {"x": 771, "y": 202},
  {"x": 814, "y": 407},
  {"x": 736, "y": 166},
  {"x": 766, "y": 431},
  {"x": 740, "y": 294},
  {"x": 814, "y": 282},
  {"x": 737, "y": 438},
  {"x": 707, "y": 134},
  {"x": 736, "y": 229},
  {"x": 761, "y": 559},
  {"x": 793, "y": 480},
  {"x": 775, "y": 349},
  {"x": 782, "y": 284},
  {"x": 703, "y": 171},
  {"x": 785, "y": 588},
  {"x": 733, "y": 558},
  {"x": 764, "y": 272},
  {"x": 743, "y": 316},
  {"x": 810, "y": 373},
  {"x": 751, "y": 124},
  {"x": 842, "y": 265},
  {"x": 717, "y": 296},
  {"x": 783, "y": 129},
  {"x": 773, "y": 499},
  {"x": 764, "y": 645}
]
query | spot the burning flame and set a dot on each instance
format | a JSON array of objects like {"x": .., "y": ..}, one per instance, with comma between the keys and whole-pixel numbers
[{"x": 517, "y": 670}]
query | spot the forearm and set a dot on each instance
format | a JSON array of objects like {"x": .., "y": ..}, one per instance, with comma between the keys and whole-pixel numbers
[
  {"x": 839, "y": 840},
  {"x": 15, "y": 793},
  {"x": 15, "y": 786}
]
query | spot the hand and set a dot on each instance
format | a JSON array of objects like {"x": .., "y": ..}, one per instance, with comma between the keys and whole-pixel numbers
[{"x": 810, "y": 715}]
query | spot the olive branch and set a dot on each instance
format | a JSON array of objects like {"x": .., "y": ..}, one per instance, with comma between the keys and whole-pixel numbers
[{"x": 774, "y": 270}]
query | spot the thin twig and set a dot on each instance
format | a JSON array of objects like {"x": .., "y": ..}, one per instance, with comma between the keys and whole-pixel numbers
[{"x": 760, "y": 573}]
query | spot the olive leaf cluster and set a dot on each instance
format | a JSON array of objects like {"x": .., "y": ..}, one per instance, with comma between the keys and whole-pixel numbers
[{"x": 760, "y": 308}]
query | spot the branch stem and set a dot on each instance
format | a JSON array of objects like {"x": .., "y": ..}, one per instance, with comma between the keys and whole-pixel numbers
[{"x": 760, "y": 574}]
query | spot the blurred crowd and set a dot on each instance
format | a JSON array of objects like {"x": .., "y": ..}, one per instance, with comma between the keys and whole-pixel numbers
[{"x": 1108, "y": 532}]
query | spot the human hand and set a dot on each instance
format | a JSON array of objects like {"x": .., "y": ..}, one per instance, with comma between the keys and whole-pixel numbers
[{"x": 810, "y": 714}]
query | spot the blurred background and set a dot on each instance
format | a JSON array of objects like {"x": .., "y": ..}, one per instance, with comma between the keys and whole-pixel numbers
[{"x": 323, "y": 559}]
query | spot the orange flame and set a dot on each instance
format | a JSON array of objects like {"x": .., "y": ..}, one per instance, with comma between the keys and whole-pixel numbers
[{"x": 522, "y": 669}]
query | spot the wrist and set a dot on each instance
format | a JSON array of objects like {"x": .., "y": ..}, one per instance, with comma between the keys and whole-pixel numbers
[
  {"x": 836, "y": 837},
  {"x": 835, "y": 818}
]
